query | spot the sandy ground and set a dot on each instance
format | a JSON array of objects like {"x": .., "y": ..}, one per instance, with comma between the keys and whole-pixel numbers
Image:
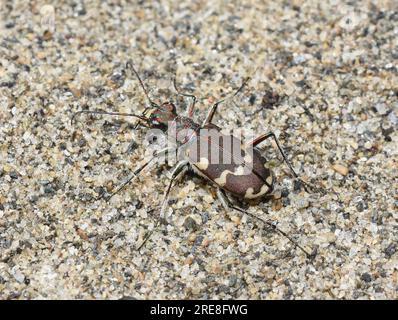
[{"x": 323, "y": 78}]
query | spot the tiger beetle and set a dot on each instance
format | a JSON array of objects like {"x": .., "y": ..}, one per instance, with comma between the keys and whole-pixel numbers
[{"x": 245, "y": 179}]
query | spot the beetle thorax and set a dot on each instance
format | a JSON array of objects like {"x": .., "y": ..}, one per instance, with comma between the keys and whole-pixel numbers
[{"x": 183, "y": 129}]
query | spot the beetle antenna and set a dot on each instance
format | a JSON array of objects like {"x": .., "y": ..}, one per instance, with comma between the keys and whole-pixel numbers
[
  {"x": 108, "y": 113},
  {"x": 129, "y": 65}
]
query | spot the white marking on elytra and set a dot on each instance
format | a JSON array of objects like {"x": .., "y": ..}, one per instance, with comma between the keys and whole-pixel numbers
[
  {"x": 269, "y": 180},
  {"x": 247, "y": 158},
  {"x": 250, "y": 195},
  {"x": 222, "y": 180},
  {"x": 203, "y": 164}
]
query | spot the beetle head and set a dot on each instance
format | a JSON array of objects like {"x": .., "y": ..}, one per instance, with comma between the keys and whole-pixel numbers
[{"x": 160, "y": 116}]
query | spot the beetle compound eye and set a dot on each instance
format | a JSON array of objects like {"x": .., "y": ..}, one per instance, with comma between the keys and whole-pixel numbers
[
  {"x": 155, "y": 118},
  {"x": 168, "y": 106}
]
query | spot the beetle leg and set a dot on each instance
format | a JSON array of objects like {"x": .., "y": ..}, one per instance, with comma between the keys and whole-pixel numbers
[
  {"x": 223, "y": 199},
  {"x": 213, "y": 109},
  {"x": 228, "y": 205},
  {"x": 178, "y": 171},
  {"x": 265, "y": 136},
  {"x": 191, "y": 107},
  {"x": 138, "y": 171}
]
